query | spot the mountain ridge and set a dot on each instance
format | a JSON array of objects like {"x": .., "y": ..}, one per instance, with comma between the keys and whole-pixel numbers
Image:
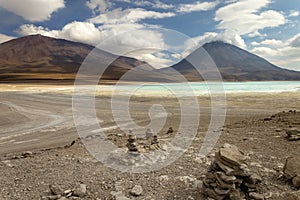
[
  {"x": 41, "y": 58},
  {"x": 235, "y": 64},
  {"x": 37, "y": 58}
]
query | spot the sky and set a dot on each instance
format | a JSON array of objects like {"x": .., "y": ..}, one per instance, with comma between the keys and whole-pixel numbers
[{"x": 268, "y": 28}]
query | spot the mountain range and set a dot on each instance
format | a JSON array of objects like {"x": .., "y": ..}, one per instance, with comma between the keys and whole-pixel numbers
[{"x": 38, "y": 58}]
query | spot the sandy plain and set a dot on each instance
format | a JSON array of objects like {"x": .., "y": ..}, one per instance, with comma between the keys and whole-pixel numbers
[{"x": 42, "y": 122}]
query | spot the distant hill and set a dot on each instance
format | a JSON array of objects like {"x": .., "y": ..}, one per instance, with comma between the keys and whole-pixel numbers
[
  {"x": 235, "y": 64},
  {"x": 37, "y": 58}
]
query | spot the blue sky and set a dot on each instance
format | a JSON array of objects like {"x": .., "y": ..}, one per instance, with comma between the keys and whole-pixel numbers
[{"x": 268, "y": 28}]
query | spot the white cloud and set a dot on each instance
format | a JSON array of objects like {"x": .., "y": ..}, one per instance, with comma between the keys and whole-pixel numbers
[
  {"x": 257, "y": 34},
  {"x": 294, "y": 13},
  {"x": 119, "y": 16},
  {"x": 295, "y": 41},
  {"x": 226, "y": 36},
  {"x": 197, "y": 6},
  {"x": 159, "y": 4},
  {"x": 5, "y": 38},
  {"x": 156, "y": 4},
  {"x": 273, "y": 43},
  {"x": 121, "y": 39},
  {"x": 282, "y": 53},
  {"x": 33, "y": 10},
  {"x": 98, "y": 5},
  {"x": 246, "y": 18}
]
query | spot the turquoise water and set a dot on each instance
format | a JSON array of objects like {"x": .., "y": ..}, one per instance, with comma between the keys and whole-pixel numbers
[{"x": 202, "y": 88}]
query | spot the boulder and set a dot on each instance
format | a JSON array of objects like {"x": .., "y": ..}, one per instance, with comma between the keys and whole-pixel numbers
[{"x": 292, "y": 167}]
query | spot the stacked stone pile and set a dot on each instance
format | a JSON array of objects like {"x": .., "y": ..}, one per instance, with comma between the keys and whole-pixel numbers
[
  {"x": 131, "y": 144},
  {"x": 230, "y": 178}
]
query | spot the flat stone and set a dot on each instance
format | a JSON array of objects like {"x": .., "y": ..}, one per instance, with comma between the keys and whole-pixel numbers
[
  {"x": 232, "y": 155},
  {"x": 53, "y": 197},
  {"x": 256, "y": 196},
  {"x": 231, "y": 171},
  {"x": 292, "y": 167},
  {"x": 212, "y": 194},
  {"x": 221, "y": 192},
  {"x": 137, "y": 190},
  {"x": 225, "y": 178},
  {"x": 222, "y": 184}
]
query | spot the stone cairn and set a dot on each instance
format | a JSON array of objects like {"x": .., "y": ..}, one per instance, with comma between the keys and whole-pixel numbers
[
  {"x": 170, "y": 130},
  {"x": 293, "y": 134},
  {"x": 230, "y": 178},
  {"x": 154, "y": 140},
  {"x": 149, "y": 133},
  {"x": 131, "y": 144}
]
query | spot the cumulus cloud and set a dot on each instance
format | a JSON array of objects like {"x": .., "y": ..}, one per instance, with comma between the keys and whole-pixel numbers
[
  {"x": 33, "y": 10},
  {"x": 197, "y": 6},
  {"x": 121, "y": 39},
  {"x": 5, "y": 38},
  {"x": 129, "y": 16},
  {"x": 282, "y": 53},
  {"x": 246, "y": 17}
]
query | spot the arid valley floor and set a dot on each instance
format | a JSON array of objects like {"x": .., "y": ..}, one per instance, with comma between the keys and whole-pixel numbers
[{"x": 42, "y": 123}]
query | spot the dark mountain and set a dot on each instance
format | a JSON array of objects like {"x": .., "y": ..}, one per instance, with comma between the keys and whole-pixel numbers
[
  {"x": 39, "y": 58},
  {"x": 234, "y": 64}
]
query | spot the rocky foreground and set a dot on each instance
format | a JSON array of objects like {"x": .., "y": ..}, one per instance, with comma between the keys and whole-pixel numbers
[{"x": 254, "y": 159}]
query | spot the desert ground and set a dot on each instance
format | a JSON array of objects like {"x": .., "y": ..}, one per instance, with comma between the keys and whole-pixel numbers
[{"x": 37, "y": 128}]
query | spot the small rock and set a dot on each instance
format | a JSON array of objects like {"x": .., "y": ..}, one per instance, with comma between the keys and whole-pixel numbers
[
  {"x": 8, "y": 163},
  {"x": 292, "y": 195},
  {"x": 26, "y": 154},
  {"x": 63, "y": 198},
  {"x": 255, "y": 179},
  {"x": 56, "y": 189},
  {"x": 137, "y": 190},
  {"x": 190, "y": 198},
  {"x": 170, "y": 130},
  {"x": 256, "y": 196},
  {"x": 52, "y": 197},
  {"x": 296, "y": 181},
  {"x": 80, "y": 190},
  {"x": 119, "y": 195}
]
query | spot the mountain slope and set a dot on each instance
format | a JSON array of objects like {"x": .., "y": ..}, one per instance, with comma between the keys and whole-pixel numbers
[
  {"x": 40, "y": 58},
  {"x": 235, "y": 64}
]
